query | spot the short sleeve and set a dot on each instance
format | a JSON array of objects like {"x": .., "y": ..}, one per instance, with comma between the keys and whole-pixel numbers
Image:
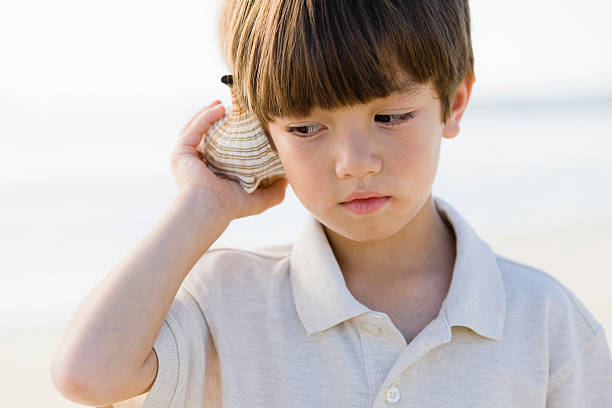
[
  {"x": 181, "y": 349},
  {"x": 585, "y": 380}
]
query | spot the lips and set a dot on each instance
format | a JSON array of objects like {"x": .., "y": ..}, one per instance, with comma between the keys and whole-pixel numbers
[
  {"x": 361, "y": 195},
  {"x": 366, "y": 206}
]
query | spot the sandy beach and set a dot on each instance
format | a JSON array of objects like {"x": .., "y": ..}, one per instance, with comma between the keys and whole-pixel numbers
[{"x": 577, "y": 255}]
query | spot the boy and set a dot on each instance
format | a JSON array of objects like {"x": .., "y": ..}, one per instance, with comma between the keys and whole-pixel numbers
[{"x": 392, "y": 300}]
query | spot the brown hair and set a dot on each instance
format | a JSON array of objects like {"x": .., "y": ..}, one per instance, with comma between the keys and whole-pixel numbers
[{"x": 290, "y": 56}]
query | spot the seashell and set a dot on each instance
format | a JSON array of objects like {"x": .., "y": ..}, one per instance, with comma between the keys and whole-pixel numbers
[{"x": 236, "y": 147}]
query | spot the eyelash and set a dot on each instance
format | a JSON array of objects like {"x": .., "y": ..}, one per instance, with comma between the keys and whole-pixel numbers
[{"x": 403, "y": 118}]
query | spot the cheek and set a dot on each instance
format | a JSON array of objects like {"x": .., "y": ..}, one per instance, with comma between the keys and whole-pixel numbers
[
  {"x": 414, "y": 152},
  {"x": 306, "y": 176},
  {"x": 422, "y": 143},
  {"x": 298, "y": 167},
  {"x": 416, "y": 158}
]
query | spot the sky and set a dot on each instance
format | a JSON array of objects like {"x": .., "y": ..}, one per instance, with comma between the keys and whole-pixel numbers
[{"x": 140, "y": 52}]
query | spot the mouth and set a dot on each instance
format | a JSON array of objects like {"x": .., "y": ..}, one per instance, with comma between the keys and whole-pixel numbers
[
  {"x": 366, "y": 205},
  {"x": 362, "y": 195}
]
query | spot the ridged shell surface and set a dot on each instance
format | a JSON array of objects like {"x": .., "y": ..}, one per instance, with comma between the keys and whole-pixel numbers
[{"x": 235, "y": 147}]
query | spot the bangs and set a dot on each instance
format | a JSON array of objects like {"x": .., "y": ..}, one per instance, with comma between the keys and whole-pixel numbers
[{"x": 291, "y": 56}]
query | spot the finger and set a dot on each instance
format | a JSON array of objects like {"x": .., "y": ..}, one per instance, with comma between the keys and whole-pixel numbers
[
  {"x": 200, "y": 125},
  {"x": 215, "y": 102},
  {"x": 277, "y": 194},
  {"x": 271, "y": 195}
]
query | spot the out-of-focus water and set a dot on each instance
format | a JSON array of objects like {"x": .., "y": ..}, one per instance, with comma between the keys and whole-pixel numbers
[{"x": 79, "y": 186}]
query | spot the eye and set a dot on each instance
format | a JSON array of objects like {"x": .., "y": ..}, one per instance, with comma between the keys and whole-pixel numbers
[
  {"x": 395, "y": 119},
  {"x": 304, "y": 132}
]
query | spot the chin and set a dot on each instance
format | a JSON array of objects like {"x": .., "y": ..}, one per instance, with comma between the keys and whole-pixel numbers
[{"x": 365, "y": 230}]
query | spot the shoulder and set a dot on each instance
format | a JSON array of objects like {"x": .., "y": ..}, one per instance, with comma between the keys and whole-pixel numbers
[
  {"x": 543, "y": 311},
  {"x": 526, "y": 284},
  {"x": 232, "y": 274},
  {"x": 541, "y": 308}
]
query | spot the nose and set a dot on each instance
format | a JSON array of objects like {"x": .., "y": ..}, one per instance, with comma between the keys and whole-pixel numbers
[{"x": 355, "y": 155}]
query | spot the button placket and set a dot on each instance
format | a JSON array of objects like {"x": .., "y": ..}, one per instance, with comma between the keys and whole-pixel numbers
[{"x": 380, "y": 352}]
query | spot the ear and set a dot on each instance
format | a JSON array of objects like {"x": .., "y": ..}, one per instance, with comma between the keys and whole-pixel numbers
[{"x": 458, "y": 105}]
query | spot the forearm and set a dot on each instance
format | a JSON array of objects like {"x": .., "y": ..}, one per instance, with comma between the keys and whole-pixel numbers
[{"x": 114, "y": 328}]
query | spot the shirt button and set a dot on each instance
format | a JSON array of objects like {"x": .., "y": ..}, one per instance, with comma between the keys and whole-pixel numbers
[
  {"x": 371, "y": 328},
  {"x": 392, "y": 395}
]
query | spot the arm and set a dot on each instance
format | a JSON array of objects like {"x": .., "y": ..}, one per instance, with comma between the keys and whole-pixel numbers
[
  {"x": 106, "y": 352},
  {"x": 586, "y": 379}
]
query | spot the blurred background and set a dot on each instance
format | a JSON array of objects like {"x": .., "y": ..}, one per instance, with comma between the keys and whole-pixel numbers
[{"x": 93, "y": 95}]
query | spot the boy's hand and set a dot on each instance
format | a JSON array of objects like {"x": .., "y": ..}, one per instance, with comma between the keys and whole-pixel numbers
[{"x": 191, "y": 173}]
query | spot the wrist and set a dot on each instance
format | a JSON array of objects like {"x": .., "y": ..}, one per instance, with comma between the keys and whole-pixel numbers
[{"x": 205, "y": 203}]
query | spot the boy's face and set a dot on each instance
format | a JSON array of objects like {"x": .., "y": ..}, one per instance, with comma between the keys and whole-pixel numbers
[{"x": 390, "y": 146}]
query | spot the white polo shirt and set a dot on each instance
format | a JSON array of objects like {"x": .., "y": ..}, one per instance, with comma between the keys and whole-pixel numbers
[{"x": 277, "y": 327}]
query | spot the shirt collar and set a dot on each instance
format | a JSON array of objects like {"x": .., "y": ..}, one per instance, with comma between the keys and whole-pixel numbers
[{"x": 476, "y": 297}]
